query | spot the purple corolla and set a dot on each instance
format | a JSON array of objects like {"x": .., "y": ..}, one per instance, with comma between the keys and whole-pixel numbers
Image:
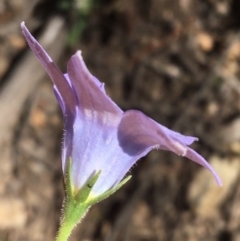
[{"x": 99, "y": 136}]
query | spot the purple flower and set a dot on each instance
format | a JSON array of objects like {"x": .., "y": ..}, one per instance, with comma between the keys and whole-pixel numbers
[{"x": 98, "y": 134}]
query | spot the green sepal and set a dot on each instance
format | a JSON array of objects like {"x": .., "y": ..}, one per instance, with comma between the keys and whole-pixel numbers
[
  {"x": 69, "y": 182},
  {"x": 84, "y": 192},
  {"x": 84, "y": 195},
  {"x": 92, "y": 200}
]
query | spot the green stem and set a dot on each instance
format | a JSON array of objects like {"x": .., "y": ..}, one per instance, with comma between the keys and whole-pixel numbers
[{"x": 73, "y": 213}]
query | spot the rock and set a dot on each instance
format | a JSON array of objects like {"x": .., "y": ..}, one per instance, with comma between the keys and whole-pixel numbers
[
  {"x": 16, "y": 41},
  {"x": 12, "y": 212},
  {"x": 229, "y": 136},
  {"x": 205, "y": 41}
]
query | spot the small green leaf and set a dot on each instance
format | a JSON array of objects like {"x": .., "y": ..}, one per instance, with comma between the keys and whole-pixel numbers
[
  {"x": 84, "y": 192},
  {"x": 69, "y": 182},
  {"x": 93, "y": 200}
]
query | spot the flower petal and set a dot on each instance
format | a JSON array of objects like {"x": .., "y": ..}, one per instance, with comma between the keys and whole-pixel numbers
[
  {"x": 64, "y": 90},
  {"x": 138, "y": 133},
  {"x": 93, "y": 103},
  {"x": 96, "y": 147},
  {"x": 187, "y": 140},
  {"x": 194, "y": 156}
]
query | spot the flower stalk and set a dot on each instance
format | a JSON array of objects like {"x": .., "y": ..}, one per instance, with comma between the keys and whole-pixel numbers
[{"x": 73, "y": 214}]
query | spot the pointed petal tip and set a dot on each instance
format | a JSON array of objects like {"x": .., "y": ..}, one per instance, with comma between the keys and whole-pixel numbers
[
  {"x": 218, "y": 180},
  {"x": 24, "y": 28},
  {"x": 79, "y": 53},
  {"x": 213, "y": 172},
  {"x": 215, "y": 175},
  {"x": 22, "y": 24},
  {"x": 30, "y": 39},
  {"x": 78, "y": 59}
]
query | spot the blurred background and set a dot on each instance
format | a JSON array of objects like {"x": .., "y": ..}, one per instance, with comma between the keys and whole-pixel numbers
[{"x": 175, "y": 60}]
